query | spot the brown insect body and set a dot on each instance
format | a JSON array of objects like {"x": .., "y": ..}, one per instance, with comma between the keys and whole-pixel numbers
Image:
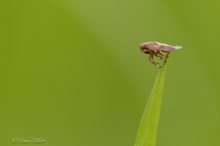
[
  {"x": 147, "y": 47},
  {"x": 157, "y": 49}
]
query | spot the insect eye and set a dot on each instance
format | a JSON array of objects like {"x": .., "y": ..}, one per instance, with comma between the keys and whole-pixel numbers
[{"x": 146, "y": 51}]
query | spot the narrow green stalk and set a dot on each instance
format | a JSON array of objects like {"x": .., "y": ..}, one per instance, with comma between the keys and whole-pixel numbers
[{"x": 147, "y": 132}]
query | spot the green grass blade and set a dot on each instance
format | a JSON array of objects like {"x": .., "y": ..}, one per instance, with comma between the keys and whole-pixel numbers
[{"x": 147, "y": 131}]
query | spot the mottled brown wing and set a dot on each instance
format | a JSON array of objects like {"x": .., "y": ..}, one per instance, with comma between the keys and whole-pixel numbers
[
  {"x": 153, "y": 46},
  {"x": 167, "y": 48}
]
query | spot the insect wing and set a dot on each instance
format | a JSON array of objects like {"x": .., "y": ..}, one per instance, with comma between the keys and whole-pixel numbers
[
  {"x": 168, "y": 48},
  {"x": 178, "y": 47}
]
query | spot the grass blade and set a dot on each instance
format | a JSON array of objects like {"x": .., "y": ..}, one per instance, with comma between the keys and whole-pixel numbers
[{"x": 147, "y": 131}]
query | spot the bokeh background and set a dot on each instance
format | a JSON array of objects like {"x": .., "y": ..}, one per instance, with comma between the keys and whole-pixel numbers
[{"x": 72, "y": 73}]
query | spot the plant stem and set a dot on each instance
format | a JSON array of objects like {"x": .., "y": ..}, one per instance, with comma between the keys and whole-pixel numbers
[{"x": 148, "y": 127}]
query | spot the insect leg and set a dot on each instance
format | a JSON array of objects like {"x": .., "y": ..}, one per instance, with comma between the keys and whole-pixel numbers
[
  {"x": 151, "y": 59},
  {"x": 167, "y": 55},
  {"x": 160, "y": 55}
]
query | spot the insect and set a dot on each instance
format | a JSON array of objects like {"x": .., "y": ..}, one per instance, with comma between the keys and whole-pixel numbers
[{"x": 156, "y": 49}]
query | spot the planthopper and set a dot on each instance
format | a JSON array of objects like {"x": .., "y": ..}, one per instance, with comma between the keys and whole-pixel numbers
[{"x": 156, "y": 49}]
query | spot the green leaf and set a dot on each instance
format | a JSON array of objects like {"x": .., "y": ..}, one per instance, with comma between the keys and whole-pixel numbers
[{"x": 148, "y": 127}]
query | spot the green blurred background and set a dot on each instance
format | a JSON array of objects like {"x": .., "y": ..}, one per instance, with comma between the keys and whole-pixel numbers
[{"x": 72, "y": 73}]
